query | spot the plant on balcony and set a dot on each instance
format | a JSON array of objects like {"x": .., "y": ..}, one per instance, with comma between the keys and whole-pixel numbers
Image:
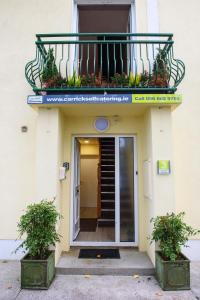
[
  {"x": 160, "y": 74},
  {"x": 134, "y": 80},
  {"x": 50, "y": 72},
  {"x": 172, "y": 267},
  {"x": 74, "y": 80},
  {"x": 120, "y": 80},
  {"x": 88, "y": 80},
  {"x": 145, "y": 79},
  {"x": 39, "y": 225}
]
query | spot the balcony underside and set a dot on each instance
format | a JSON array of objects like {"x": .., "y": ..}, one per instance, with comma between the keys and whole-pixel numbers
[{"x": 109, "y": 90}]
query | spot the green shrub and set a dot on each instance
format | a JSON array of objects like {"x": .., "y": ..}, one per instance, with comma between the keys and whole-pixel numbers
[
  {"x": 171, "y": 233},
  {"x": 39, "y": 225},
  {"x": 50, "y": 69}
]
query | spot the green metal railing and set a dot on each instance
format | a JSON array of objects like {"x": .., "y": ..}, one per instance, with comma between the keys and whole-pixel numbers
[{"x": 104, "y": 62}]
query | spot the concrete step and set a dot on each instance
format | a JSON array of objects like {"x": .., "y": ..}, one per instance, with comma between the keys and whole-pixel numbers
[
  {"x": 106, "y": 222},
  {"x": 131, "y": 262}
]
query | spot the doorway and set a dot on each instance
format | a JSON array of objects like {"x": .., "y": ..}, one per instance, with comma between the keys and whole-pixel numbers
[
  {"x": 104, "y": 60},
  {"x": 104, "y": 191}
]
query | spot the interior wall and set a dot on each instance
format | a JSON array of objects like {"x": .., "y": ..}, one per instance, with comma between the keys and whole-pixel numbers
[
  {"x": 88, "y": 173},
  {"x": 89, "y": 149},
  {"x": 89, "y": 181}
]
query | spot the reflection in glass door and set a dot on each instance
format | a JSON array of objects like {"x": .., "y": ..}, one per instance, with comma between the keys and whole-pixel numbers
[{"x": 126, "y": 193}]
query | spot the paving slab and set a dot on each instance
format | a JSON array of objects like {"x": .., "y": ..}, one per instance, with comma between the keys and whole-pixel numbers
[
  {"x": 91, "y": 287},
  {"x": 9, "y": 279},
  {"x": 195, "y": 278},
  {"x": 75, "y": 287}
]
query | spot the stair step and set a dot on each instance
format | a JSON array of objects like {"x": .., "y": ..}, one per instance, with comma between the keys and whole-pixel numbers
[
  {"x": 107, "y": 159},
  {"x": 108, "y": 180},
  {"x": 110, "y": 215},
  {"x": 111, "y": 151},
  {"x": 106, "y": 220},
  {"x": 108, "y": 149},
  {"x": 107, "y": 204},
  {"x": 107, "y": 140},
  {"x": 108, "y": 192},
  {"x": 111, "y": 165},
  {"x": 110, "y": 201},
  {"x": 107, "y": 146},
  {"x": 132, "y": 262}
]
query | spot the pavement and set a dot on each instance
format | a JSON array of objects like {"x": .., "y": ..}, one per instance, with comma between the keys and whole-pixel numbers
[{"x": 86, "y": 287}]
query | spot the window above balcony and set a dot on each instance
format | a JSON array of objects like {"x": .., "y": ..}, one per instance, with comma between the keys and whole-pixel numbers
[{"x": 111, "y": 62}]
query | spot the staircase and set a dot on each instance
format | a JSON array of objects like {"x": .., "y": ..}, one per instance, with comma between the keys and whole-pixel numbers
[{"x": 107, "y": 182}]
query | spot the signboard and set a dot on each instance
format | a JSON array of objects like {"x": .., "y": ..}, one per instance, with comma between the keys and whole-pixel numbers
[
  {"x": 107, "y": 98},
  {"x": 163, "y": 167},
  {"x": 157, "y": 98}
]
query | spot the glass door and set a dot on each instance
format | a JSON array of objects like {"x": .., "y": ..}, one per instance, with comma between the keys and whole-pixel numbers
[
  {"x": 123, "y": 178},
  {"x": 126, "y": 167}
]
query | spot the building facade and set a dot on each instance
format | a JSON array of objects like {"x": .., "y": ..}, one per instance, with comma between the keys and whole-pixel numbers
[{"x": 96, "y": 121}]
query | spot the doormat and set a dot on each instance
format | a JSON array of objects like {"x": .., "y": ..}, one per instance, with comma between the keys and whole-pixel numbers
[
  {"x": 99, "y": 253},
  {"x": 88, "y": 225}
]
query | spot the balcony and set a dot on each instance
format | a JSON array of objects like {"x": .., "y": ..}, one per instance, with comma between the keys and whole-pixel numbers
[{"x": 104, "y": 62}]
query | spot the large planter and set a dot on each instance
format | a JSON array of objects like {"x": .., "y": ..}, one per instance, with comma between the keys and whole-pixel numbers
[
  {"x": 173, "y": 276},
  {"x": 37, "y": 274}
]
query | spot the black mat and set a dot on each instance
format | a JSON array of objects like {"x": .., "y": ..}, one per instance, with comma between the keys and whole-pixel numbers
[
  {"x": 99, "y": 253},
  {"x": 88, "y": 225}
]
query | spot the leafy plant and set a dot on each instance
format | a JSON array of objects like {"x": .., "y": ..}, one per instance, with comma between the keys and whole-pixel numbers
[
  {"x": 120, "y": 79},
  {"x": 39, "y": 225},
  {"x": 160, "y": 74},
  {"x": 160, "y": 66},
  {"x": 171, "y": 233},
  {"x": 55, "y": 82},
  {"x": 50, "y": 69},
  {"x": 88, "y": 80},
  {"x": 145, "y": 78}
]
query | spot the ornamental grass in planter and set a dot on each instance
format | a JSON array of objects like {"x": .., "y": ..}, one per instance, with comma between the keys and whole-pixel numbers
[
  {"x": 172, "y": 267},
  {"x": 39, "y": 225}
]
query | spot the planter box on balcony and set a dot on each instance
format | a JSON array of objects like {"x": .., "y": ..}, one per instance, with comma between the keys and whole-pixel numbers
[
  {"x": 173, "y": 276},
  {"x": 37, "y": 274}
]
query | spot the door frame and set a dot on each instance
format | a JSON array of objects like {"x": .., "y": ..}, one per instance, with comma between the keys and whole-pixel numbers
[{"x": 117, "y": 198}]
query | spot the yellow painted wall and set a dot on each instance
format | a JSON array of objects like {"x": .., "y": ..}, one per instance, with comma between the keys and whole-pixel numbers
[
  {"x": 19, "y": 154},
  {"x": 182, "y": 18},
  {"x": 20, "y": 21},
  {"x": 84, "y": 125},
  {"x": 157, "y": 146}
]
